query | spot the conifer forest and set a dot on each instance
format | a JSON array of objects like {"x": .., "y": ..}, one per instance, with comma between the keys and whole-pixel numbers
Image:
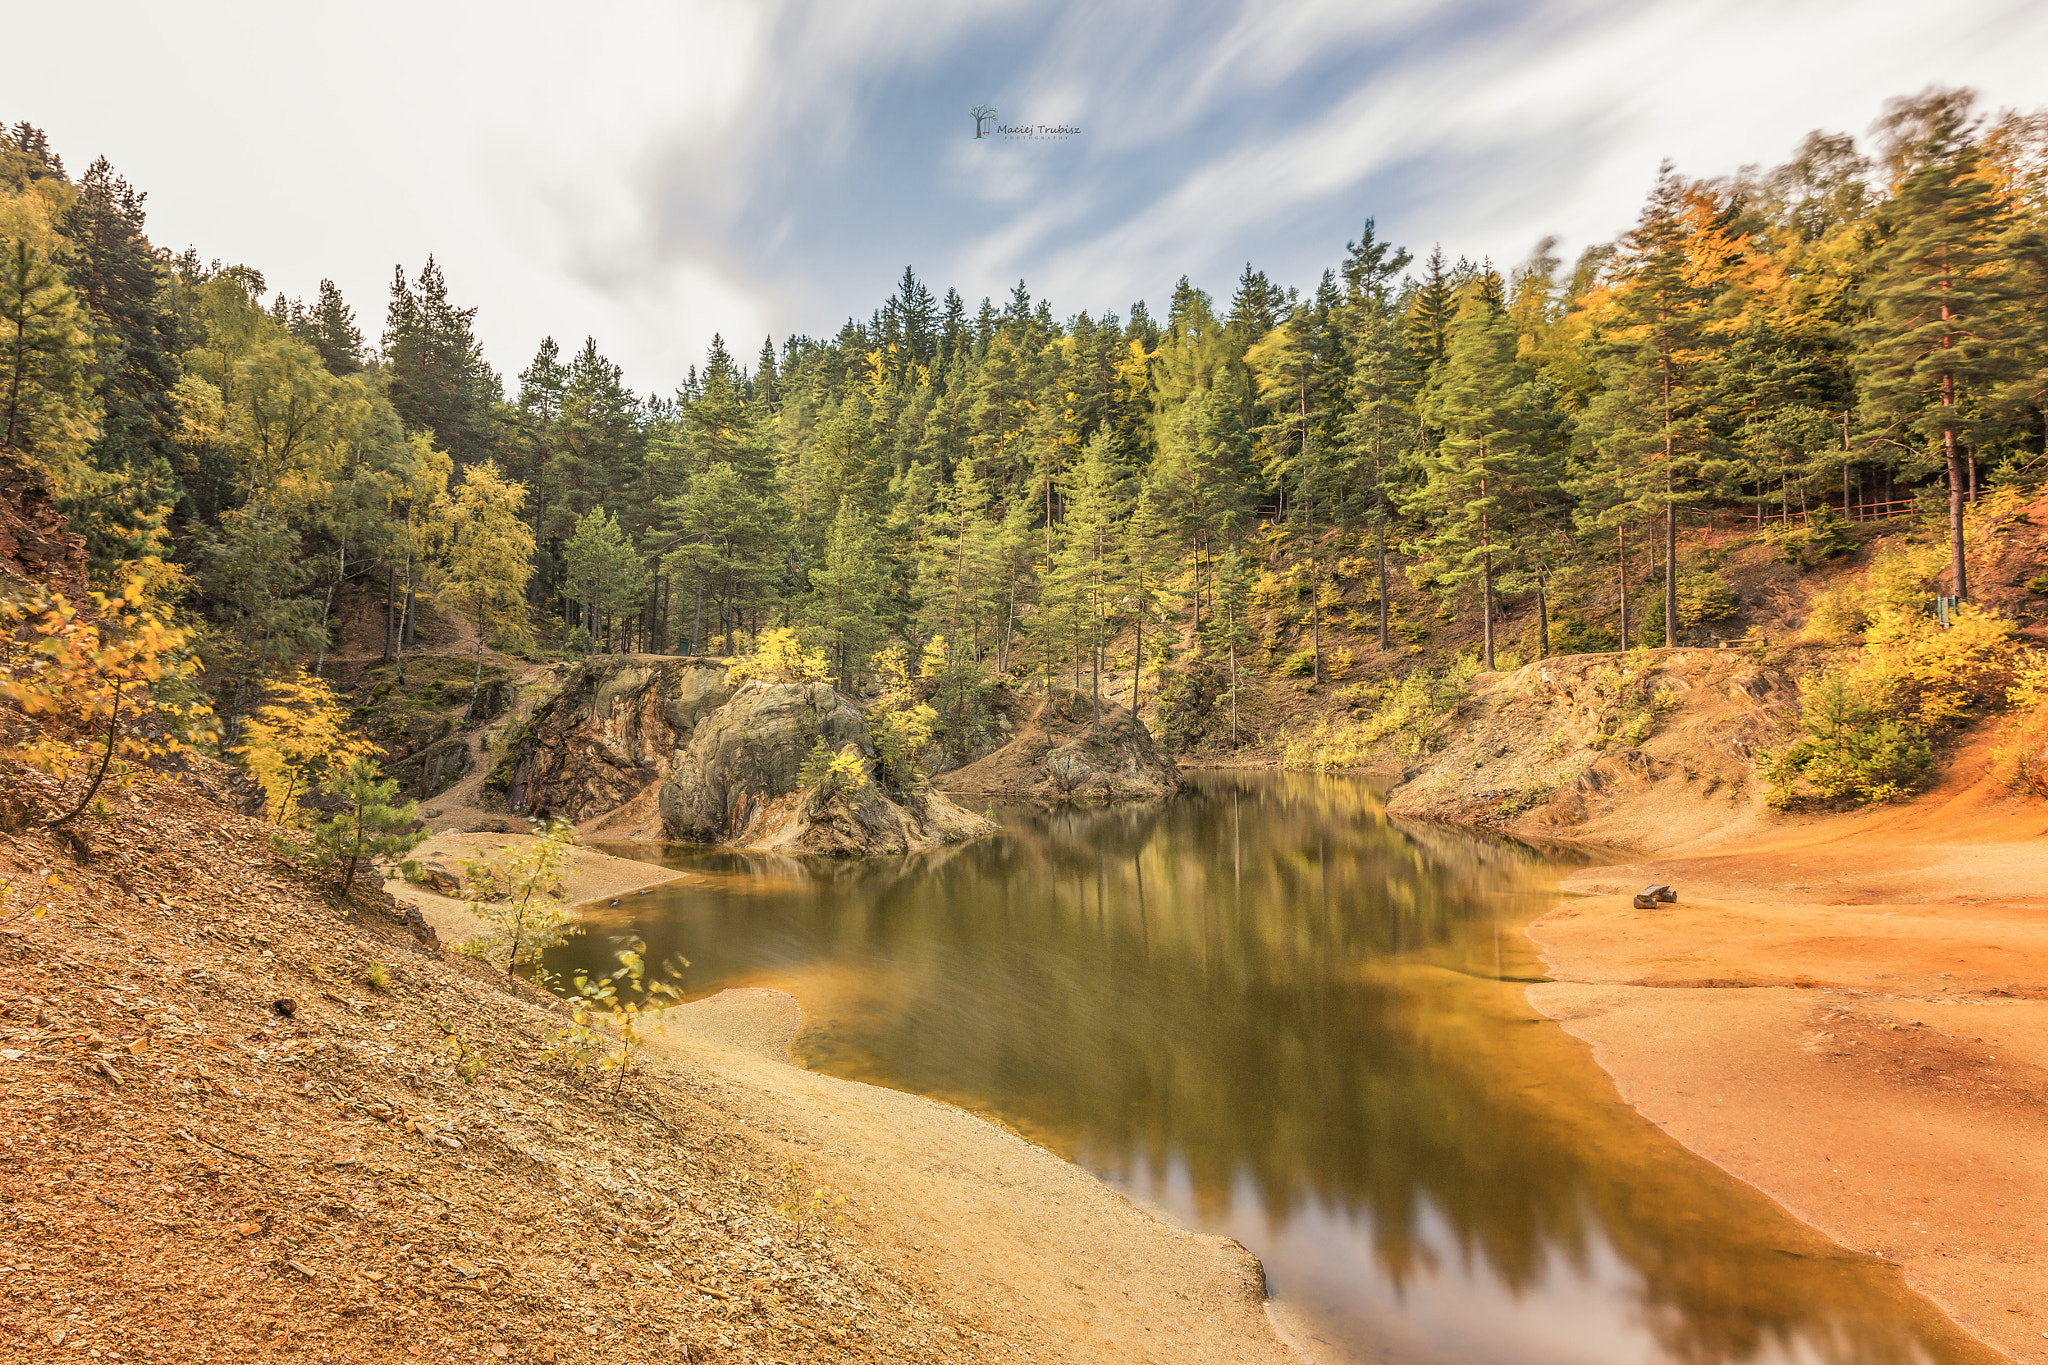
[{"x": 1248, "y": 479}]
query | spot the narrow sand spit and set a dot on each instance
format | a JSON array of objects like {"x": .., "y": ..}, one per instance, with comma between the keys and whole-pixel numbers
[
  {"x": 1017, "y": 1235},
  {"x": 587, "y": 875},
  {"x": 1852, "y": 1015}
]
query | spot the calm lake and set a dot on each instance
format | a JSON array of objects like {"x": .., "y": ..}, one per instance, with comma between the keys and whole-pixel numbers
[{"x": 1265, "y": 1010}]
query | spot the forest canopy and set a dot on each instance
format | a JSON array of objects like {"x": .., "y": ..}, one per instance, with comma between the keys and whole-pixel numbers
[{"x": 974, "y": 493}]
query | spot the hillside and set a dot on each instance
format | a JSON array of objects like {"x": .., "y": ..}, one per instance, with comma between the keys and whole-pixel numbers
[{"x": 204, "y": 1100}]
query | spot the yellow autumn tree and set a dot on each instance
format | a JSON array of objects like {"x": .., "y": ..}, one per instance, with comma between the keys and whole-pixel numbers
[
  {"x": 778, "y": 656},
  {"x": 490, "y": 557},
  {"x": 107, "y": 690},
  {"x": 296, "y": 739}
]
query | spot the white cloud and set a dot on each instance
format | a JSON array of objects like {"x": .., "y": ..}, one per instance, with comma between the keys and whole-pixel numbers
[{"x": 649, "y": 173}]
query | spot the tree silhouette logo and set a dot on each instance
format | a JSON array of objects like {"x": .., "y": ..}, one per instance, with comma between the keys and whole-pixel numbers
[{"x": 984, "y": 115}]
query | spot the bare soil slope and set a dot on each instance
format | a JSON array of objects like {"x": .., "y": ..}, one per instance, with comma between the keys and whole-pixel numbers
[
  {"x": 223, "y": 1143},
  {"x": 1851, "y": 1013},
  {"x": 1646, "y": 750}
]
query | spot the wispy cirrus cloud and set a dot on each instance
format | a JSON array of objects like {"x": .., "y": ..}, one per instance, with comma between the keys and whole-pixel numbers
[{"x": 651, "y": 173}]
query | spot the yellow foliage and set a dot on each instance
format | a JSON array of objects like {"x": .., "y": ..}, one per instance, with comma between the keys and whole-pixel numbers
[
  {"x": 77, "y": 676},
  {"x": 2020, "y": 759},
  {"x": 518, "y": 891},
  {"x": 779, "y": 657},
  {"x": 1930, "y": 675},
  {"x": 296, "y": 739}
]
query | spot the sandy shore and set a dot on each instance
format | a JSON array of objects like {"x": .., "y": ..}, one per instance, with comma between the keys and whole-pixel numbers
[
  {"x": 1017, "y": 1235},
  {"x": 1851, "y": 1014},
  {"x": 587, "y": 876}
]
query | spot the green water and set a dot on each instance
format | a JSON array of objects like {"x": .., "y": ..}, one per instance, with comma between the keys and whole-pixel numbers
[{"x": 1268, "y": 1011}]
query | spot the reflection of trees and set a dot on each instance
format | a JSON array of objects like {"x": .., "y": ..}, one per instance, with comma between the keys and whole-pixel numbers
[{"x": 1212, "y": 981}]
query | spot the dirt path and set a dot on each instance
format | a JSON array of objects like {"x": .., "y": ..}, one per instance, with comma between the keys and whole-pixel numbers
[
  {"x": 1852, "y": 1014},
  {"x": 1017, "y": 1235}
]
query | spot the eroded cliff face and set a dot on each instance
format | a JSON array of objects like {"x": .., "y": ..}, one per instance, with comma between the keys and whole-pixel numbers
[
  {"x": 613, "y": 730},
  {"x": 656, "y": 747},
  {"x": 1060, "y": 753},
  {"x": 1645, "y": 751}
]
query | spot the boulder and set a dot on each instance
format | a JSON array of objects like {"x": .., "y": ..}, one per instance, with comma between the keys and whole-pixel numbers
[
  {"x": 439, "y": 878},
  {"x": 615, "y": 728},
  {"x": 717, "y": 763},
  {"x": 749, "y": 751},
  {"x": 1061, "y": 753}
]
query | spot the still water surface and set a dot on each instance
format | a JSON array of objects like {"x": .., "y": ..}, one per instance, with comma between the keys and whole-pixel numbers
[{"x": 1265, "y": 1010}]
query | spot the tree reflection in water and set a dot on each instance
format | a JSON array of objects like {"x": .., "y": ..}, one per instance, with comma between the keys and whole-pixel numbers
[{"x": 1269, "y": 1011}]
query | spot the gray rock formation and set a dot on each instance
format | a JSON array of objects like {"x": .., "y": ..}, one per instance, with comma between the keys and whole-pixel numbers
[
  {"x": 1061, "y": 753},
  {"x": 716, "y": 763}
]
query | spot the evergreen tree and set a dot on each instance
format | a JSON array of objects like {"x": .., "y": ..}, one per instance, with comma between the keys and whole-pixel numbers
[
  {"x": 330, "y": 328},
  {"x": 1946, "y": 312},
  {"x": 1665, "y": 330},
  {"x": 842, "y": 612},
  {"x": 45, "y": 355},
  {"x": 1485, "y": 476},
  {"x": 439, "y": 382}
]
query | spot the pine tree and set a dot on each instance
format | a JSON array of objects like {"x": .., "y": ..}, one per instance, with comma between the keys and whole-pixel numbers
[
  {"x": 1484, "y": 476},
  {"x": 842, "y": 613},
  {"x": 127, "y": 486},
  {"x": 1085, "y": 578},
  {"x": 439, "y": 381},
  {"x": 331, "y": 330},
  {"x": 1665, "y": 331},
  {"x": 45, "y": 355},
  {"x": 1432, "y": 308},
  {"x": 1946, "y": 311}
]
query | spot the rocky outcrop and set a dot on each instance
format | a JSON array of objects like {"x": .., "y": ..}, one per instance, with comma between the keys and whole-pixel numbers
[
  {"x": 613, "y": 730},
  {"x": 435, "y": 768},
  {"x": 1061, "y": 753},
  {"x": 676, "y": 748},
  {"x": 749, "y": 751},
  {"x": 1645, "y": 750}
]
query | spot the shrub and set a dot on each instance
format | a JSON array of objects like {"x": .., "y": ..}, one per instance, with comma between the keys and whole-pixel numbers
[
  {"x": 1403, "y": 720},
  {"x": 1850, "y": 749},
  {"x": 1867, "y": 728},
  {"x": 366, "y": 820},
  {"x": 1569, "y": 634},
  {"x": 606, "y": 1015},
  {"x": 1300, "y": 664},
  {"x": 1839, "y": 612},
  {"x": 2020, "y": 759},
  {"x": 778, "y": 657},
  {"x": 1825, "y": 536},
  {"x": 518, "y": 891},
  {"x": 122, "y": 669},
  {"x": 1703, "y": 595},
  {"x": 832, "y": 773}
]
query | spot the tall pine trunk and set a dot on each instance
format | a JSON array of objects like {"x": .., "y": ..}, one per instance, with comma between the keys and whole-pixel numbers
[{"x": 1380, "y": 554}]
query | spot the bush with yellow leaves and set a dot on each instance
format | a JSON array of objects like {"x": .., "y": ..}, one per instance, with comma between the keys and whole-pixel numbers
[
  {"x": 778, "y": 656},
  {"x": 2020, "y": 759},
  {"x": 1866, "y": 728},
  {"x": 108, "y": 691},
  {"x": 296, "y": 739}
]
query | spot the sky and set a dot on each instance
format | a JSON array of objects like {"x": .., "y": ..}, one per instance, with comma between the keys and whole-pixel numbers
[{"x": 651, "y": 173}]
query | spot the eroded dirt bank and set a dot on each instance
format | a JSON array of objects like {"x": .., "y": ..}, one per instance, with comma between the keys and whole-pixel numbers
[
  {"x": 244, "y": 1122},
  {"x": 1852, "y": 1014}
]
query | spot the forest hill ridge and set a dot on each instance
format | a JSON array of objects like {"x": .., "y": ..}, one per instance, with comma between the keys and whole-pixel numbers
[{"x": 994, "y": 493}]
